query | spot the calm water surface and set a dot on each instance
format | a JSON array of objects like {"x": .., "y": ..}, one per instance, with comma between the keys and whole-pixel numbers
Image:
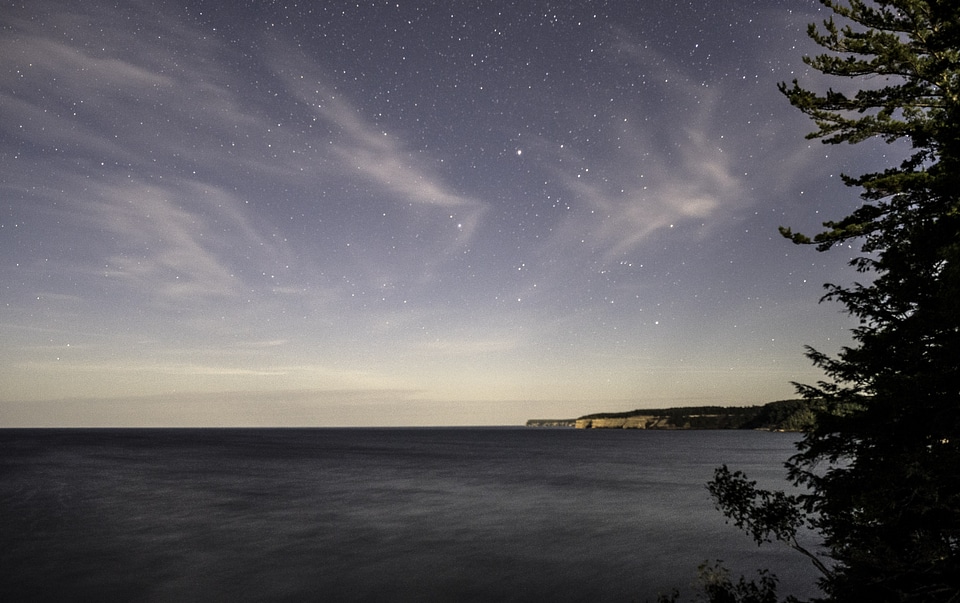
[{"x": 513, "y": 514}]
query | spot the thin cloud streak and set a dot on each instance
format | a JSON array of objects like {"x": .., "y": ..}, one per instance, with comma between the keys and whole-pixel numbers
[
  {"x": 470, "y": 347},
  {"x": 616, "y": 208},
  {"x": 372, "y": 153},
  {"x": 173, "y": 244}
]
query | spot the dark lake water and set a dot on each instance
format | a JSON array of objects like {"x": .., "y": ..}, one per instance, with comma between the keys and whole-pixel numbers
[{"x": 471, "y": 514}]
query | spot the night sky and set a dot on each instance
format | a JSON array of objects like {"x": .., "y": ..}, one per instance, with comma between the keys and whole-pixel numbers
[{"x": 408, "y": 213}]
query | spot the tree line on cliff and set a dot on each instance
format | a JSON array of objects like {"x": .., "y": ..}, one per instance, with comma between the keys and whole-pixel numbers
[{"x": 782, "y": 415}]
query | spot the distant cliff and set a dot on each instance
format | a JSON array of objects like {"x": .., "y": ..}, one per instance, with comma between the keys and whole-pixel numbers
[
  {"x": 551, "y": 423},
  {"x": 783, "y": 415}
]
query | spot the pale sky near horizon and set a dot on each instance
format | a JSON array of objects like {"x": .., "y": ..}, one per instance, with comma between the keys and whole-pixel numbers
[{"x": 408, "y": 213}]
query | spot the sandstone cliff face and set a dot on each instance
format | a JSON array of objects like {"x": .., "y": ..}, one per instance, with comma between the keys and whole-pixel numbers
[
  {"x": 631, "y": 422},
  {"x": 551, "y": 422}
]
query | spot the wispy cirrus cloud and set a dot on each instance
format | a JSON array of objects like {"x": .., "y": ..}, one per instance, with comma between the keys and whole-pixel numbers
[
  {"x": 655, "y": 174},
  {"x": 176, "y": 244},
  {"x": 618, "y": 212},
  {"x": 617, "y": 201},
  {"x": 365, "y": 150},
  {"x": 125, "y": 125},
  {"x": 150, "y": 123}
]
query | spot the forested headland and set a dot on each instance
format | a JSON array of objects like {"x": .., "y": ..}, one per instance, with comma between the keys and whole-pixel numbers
[{"x": 782, "y": 415}]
